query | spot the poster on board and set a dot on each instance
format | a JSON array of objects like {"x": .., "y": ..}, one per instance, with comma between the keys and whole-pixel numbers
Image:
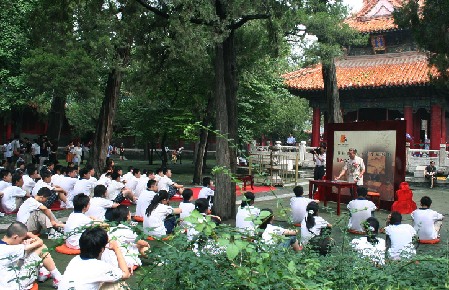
[{"x": 377, "y": 148}]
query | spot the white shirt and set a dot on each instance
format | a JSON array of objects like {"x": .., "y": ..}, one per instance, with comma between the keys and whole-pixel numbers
[
  {"x": 127, "y": 176},
  {"x": 298, "y": 206},
  {"x": 271, "y": 234},
  {"x": 187, "y": 208},
  {"x": 103, "y": 180},
  {"x": 97, "y": 208},
  {"x": 8, "y": 152},
  {"x": 36, "y": 149},
  {"x": 205, "y": 192},
  {"x": 126, "y": 239},
  {"x": 83, "y": 186},
  {"x": 132, "y": 183},
  {"x": 4, "y": 184},
  {"x": 28, "y": 183},
  {"x": 353, "y": 169},
  {"x": 401, "y": 237},
  {"x": 67, "y": 183},
  {"x": 27, "y": 207},
  {"x": 360, "y": 210},
  {"x": 88, "y": 274},
  {"x": 375, "y": 253},
  {"x": 9, "y": 258},
  {"x": 144, "y": 201},
  {"x": 307, "y": 234},
  {"x": 114, "y": 189},
  {"x": 141, "y": 185},
  {"x": 424, "y": 223},
  {"x": 164, "y": 183},
  {"x": 245, "y": 216},
  {"x": 78, "y": 151},
  {"x": 9, "y": 198},
  {"x": 55, "y": 178},
  {"x": 156, "y": 220},
  {"x": 318, "y": 162},
  {"x": 74, "y": 227},
  {"x": 39, "y": 185}
]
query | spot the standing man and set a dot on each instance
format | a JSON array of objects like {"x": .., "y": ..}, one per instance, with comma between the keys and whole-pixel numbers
[
  {"x": 429, "y": 172},
  {"x": 28, "y": 151},
  {"x": 15, "y": 151},
  {"x": 291, "y": 141},
  {"x": 354, "y": 168},
  {"x": 319, "y": 156}
]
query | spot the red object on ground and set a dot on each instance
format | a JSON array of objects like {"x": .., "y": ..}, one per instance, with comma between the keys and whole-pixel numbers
[
  {"x": 404, "y": 203},
  {"x": 35, "y": 286},
  {"x": 196, "y": 191},
  {"x": 435, "y": 241},
  {"x": 126, "y": 202},
  {"x": 56, "y": 206},
  {"x": 63, "y": 249},
  {"x": 138, "y": 218}
]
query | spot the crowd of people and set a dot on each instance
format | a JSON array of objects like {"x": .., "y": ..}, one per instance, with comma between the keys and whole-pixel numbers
[{"x": 111, "y": 253}]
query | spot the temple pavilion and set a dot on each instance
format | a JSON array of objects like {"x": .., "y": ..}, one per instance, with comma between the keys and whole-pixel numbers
[{"x": 387, "y": 79}]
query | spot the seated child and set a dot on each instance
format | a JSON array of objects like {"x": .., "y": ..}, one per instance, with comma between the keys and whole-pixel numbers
[
  {"x": 13, "y": 196},
  {"x": 298, "y": 204},
  {"x": 186, "y": 205},
  {"x": 117, "y": 191},
  {"x": 201, "y": 206},
  {"x": 145, "y": 198},
  {"x": 247, "y": 214},
  {"x": 21, "y": 254},
  {"x": 427, "y": 222},
  {"x": 29, "y": 178},
  {"x": 371, "y": 246},
  {"x": 67, "y": 182},
  {"x": 99, "y": 205},
  {"x": 156, "y": 221},
  {"x": 399, "y": 238},
  {"x": 273, "y": 234},
  {"x": 37, "y": 216},
  {"x": 87, "y": 271},
  {"x": 77, "y": 221},
  {"x": 207, "y": 191},
  {"x": 57, "y": 192},
  {"x": 126, "y": 239},
  {"x": 6, "y": 179},
  {"x": 360, "y": 209},
  {"x": 313, "y": 225}
]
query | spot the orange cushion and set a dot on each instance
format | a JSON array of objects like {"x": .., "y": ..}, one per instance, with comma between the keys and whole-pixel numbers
[
  {"x": 355, "y": 232},
  {"x": 435, "y": 241},
  {"x": 138, "y": 218},
  {"x": 35, "y": 286},
  {"x": 63, "y": 249},
  {"x": 372, "y": 193},
  {"x": 297, "y": 225},
  {"x": 151, "y": 238}
]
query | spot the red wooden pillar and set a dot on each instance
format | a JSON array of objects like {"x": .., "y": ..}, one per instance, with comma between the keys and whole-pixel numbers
[
  {"x": 416, "y": 129},
  {"x": 408, "y": 116},
  {"x": 443, "y": 126},
  {"x": 316, "y": 127},
  {"x": 435, "y": 127}
]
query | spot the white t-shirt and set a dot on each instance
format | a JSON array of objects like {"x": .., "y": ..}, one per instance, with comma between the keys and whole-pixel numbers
[
  {"x": 271, "y": 234},
  {"x": 360, "y": 210},
  {"x": 164, "y": 183},
  {"x": 68, "y": 184},
  {"x": 353, "y": 169},
  {"x": 375, "y": 253},
  {"x": 39, "y": 185},
  {"x": 298, "y": 206},
  {"x": 245, "y": 216},
  {"x": 4, "y": 184},
  {"x": 114, "y": 189},
  {"x": 55, "y": 178},
  {"x": 156, "y": 220},
  {"x": 126, "y": 239},
  {"x": 127, "y": 176},
  {"x": 97, "y": 208},
  {"x": 103, "y": 180},
  {"x": 9, "y": 198},
  {"x": 88, "y": 274},
  {"x": 8, "y": 152},
  {"x": 307, "y": 234},
  {"x": 28, "y": 183},
  {"x": 205, "y": 192},
  {"x": 187, "y": 208},
  {"x": 74, "y": 228},
  {"x": 144, "y": 201},
  {"x": 83, "y": 186},
  {"x": 401, "y": 237},
  {"x": 11, "y": 277},
  {"x": 27, "y": 207},
  {"x": 424, "y": 223},
  {"x": 141, "y": 185},
  {"x": 132, "y": 183},
  {"x": 36, "y": 149}
]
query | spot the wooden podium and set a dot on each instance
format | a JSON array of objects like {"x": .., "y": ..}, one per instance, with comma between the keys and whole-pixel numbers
[{"x": 333, "y": 183}]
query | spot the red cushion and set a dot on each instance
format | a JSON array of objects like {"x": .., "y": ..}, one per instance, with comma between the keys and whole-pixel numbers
[
  {"x": 138, "y": 218},
  {"x": 151, "y": 238},
  {"x": 126, "y": 202},
  {"x": 355, "y": 232},
  {"x": 297, "y": 225},
  {"x": 35, "y": 286},
  {"x": 435, "y": 241},
  {"x": 63, "y": 249}
]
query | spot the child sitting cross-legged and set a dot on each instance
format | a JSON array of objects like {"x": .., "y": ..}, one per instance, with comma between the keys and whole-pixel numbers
[
  {"x": 159, "y": 219},
  {"x": 186, "y": 205},
  {"x": 277, "y": 235},
  {"x": 371, "y": 246},
  {"x": 21, "y": 254},
  {"x": 315, "y": 230},
  {"x": 359, "y": 210},
  {"x": 247, "y": 214},
  {"x": 399, "y": 239},
  {"x": 126, "y": 239},
  {"x": 426, "y": 221},
  {"x": 298, "y": 204},
  {"x": 77, "y": 221},
  {"x": 87, "y": 271},
  {"x": 99, "y": 204},
  {"x": 13, "y": 196}
]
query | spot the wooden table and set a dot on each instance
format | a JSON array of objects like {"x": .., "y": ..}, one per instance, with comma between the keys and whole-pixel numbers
[
  {"x": 332, "y": 183},
  {"x": 245, "y": 179}
]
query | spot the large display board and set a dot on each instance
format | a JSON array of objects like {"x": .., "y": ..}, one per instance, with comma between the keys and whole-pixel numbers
[{"x": 381, "y": 145}]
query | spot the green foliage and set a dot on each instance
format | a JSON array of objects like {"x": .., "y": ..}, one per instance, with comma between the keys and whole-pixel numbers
[{"x": 430, "y": 27}]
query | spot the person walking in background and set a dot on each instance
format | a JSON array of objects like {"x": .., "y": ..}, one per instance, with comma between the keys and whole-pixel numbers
[
  {"x": 122, "y": 152},
  {"x": 77, "y": 152}
]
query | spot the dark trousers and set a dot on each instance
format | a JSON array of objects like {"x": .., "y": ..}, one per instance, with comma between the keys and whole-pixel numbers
[
  {"x": 318, "y": 174},
  {"x": 53, "y": 197},
  {"x": 170, "y": 223}
]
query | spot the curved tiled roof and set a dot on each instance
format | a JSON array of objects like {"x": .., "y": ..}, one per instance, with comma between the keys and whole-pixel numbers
[
  {"x": 374, "y": 71},
  {"x": 373, "y": 24}
]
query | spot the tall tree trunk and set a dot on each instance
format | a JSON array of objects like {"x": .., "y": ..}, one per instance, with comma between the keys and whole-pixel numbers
[
  {"x": 56, "y": 118},
  {"x": 331, "y": 92},
  {"x": 223, "y": 205},
  {"x": 230, "y": 75},
  {"x": 202, "y": 144},
  {"x": 206, "y": 150}
]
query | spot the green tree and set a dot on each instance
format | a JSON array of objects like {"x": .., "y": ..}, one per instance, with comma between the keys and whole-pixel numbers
[{"x": 429, "y": 25}]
